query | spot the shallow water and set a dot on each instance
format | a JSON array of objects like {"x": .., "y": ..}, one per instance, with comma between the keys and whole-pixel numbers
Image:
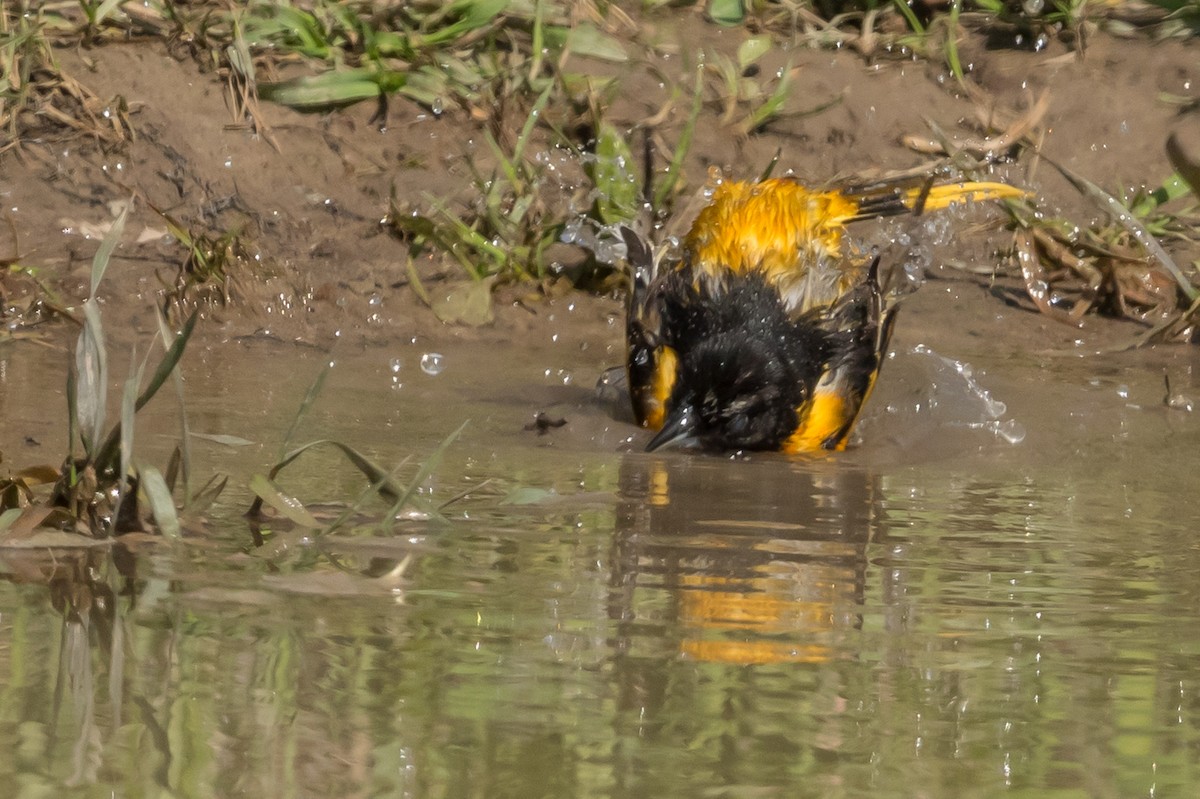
[{"x": 938, "y": 612}]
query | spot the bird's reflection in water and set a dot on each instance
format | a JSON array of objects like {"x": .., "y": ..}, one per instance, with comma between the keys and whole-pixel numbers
[{"x": 758, "y": 561}]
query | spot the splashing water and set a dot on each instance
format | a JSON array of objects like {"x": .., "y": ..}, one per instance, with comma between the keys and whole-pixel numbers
[
  {"x": 604, "y": 241},
  {"x": 945, "y": 393}
]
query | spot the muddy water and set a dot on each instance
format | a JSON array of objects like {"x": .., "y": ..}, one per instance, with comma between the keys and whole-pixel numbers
[{"x": 939, "y": 612}]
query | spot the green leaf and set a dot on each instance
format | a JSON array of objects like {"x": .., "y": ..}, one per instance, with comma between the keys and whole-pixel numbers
[
  {"x": 472, "y": 15},
  {"x": 752, "y": 49},
  {"x": 615, "y": 177},
  {"x": 336, "y": 87},
  {"x": 128, "y": 400},
  {"x": 289, "y": 506},
  {"x": 588, "y": 40},
  {"x": 91, "y": 383},
  {"x": 1186, "y": 163},
  {"x": 727, "y": 12},
  {"x": 162, "y": 505},
  {"x": 104, "y": 253},
  {"x": 167, "y": 336},
  {"x": 468, "y": 302}
]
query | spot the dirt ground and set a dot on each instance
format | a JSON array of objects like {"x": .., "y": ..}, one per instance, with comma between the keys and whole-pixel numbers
[{"x": 311, "y": 209}]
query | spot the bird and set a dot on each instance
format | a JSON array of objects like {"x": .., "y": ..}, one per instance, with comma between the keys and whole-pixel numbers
[{"x": 764, "y": 331}]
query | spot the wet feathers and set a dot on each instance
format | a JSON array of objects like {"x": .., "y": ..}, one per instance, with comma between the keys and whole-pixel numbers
[{"x": 763, "y": 334}]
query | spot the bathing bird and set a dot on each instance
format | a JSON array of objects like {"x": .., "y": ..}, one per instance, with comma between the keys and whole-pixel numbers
[{"x": 765, "y": 331}]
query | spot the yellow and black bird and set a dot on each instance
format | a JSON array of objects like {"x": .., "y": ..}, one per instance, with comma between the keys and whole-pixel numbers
[{"x": 763, "y": 334}]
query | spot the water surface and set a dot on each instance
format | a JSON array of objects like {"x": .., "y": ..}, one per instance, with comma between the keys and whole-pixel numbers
[{"x": 938, "y": 612}]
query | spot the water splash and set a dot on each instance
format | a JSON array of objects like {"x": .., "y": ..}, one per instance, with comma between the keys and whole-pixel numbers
[
  {"x": 604, "y": 241},
  {"x": 946, "y": 393}
]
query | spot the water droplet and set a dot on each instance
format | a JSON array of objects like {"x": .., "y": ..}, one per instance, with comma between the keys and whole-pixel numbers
[
  {"x": 432, "y": 363},
  {"x": 228, "y": 161},
  {"x": 396, "y": 364},
  {"x": 1123, "y": 391},
  {"x": 1011, "y": 431}
]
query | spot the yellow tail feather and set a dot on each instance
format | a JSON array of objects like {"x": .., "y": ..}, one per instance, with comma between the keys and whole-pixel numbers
[{"x": 939, "y": 197}]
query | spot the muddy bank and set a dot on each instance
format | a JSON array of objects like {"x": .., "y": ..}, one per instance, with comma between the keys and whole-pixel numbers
[{"x": 315, "y": 260}]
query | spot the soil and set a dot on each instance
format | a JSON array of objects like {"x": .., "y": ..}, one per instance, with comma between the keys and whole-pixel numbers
[{"x": 310, "y": 204}]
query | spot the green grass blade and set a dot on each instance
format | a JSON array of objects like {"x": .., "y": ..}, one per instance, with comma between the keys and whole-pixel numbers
[
  {"x": 310, "y": 396},
  {"x": 952, "y": 58},
  {"x": 1187, "y": 167},
  {"x": 208, "y": 494},
  {"x": 539, "y": 40},
  {"x": 105, "y": 9},
  {"x": 333, "y": 88},
  {"x": 422, "y": 475},
  {"x": 72, "y": 408},
  {"x": 162, "y": 505},
  {"x": 772, "y": 106},
  {"x": 104, "y": 253},
  {"x": 128, "y": 401},
  {"x": 107, "y": 454},
  {"x": 387, "y": 486},
  {"x": 290, "y": 507},
  {"x": 169, "y": 361},
  {"x": 909, "y": 16},
  {"x": 675, "y": 168},
  {"x": 91, "y": 385},
  {"x": 530, "y": 121},
  {"x": 613, "y": 176},
  {"x": 507, "y": 166},
  {"x": 166, "y": 335}
]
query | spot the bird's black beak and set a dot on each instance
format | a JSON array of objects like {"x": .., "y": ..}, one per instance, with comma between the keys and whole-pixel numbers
[{"x": 678, "y": 431}]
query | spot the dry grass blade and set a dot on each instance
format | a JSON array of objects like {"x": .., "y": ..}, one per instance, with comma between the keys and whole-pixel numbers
[
  {"x": 988, "y": 147},
  {"x": 1037, "y": 284},
  {"x": 31, "y": 519}
]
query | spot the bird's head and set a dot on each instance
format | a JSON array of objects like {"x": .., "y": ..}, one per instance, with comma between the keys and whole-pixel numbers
[{"x": 734, "y": 391}]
